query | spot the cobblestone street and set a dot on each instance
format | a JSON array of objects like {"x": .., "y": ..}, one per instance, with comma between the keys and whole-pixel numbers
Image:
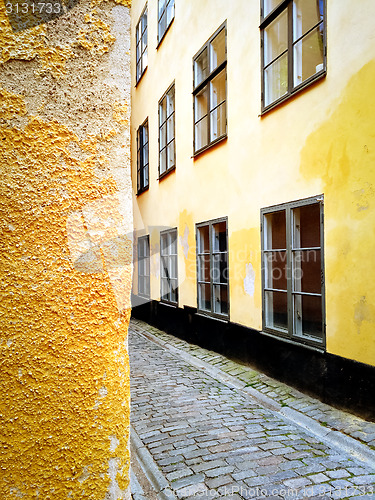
[{"x": 199, "y": 435}]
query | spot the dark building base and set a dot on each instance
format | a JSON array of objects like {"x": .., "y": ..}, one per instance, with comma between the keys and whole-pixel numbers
[{"x": 337, "y": 381}]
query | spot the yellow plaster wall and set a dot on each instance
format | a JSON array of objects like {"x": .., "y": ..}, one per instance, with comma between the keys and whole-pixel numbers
[
  {"x": 65, "y": 241},
  {"x": 288, "y": 154}
]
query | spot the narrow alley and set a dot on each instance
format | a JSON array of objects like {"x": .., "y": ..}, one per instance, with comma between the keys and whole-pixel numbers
[{"x": 199, "y": 431}]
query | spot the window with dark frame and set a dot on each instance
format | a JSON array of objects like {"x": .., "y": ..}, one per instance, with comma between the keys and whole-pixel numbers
[
  {"x": 209, "y": 94},
  {"x": 168, "y": 267},
  {"x": 165, "y": 17},
  {"x": 144, "y": 266},
  {"x": 293, "y": 47},
  {"x": 167, "y": 132},
  {"x": 141, "y": 45},
  {"x": 212, "y": 268},
  {"x": 293, "y": 270},
  {"x": 142, "y": 158}
]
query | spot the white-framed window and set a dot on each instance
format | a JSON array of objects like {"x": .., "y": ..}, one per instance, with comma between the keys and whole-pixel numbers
[
  {"x": 168, "y": 266},
  {"x": 165, "y": 17},
  {"x": 142, "y": 158},
  {"x": 167, "y": 153},
  {"x": 293, "y": 44},
  {"x": 212, "y": 267},
  {"x": 293, "y": 270},
  {"x": 209, "y": 93},
  {"x": 141, "y": 44},
  {"x": 144, "y": 266}
]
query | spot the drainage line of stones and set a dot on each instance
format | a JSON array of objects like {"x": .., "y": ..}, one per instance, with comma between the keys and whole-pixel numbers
[{"x": 333, "y": 438}]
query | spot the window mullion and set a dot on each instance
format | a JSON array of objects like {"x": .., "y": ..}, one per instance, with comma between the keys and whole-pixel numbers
[{"x": 289, "y": 270}]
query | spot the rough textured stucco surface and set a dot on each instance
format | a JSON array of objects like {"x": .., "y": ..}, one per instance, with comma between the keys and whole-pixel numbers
[{"x": 65, "y": 243}]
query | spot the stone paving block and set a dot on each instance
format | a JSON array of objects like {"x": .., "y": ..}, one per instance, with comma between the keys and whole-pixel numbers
[
  {"x": 178, "y": 474},
  {"x": 245, "y": 474},
  {"x": 299, "y": 482},
  {"x": 192, "y": 491},
  {"x": 340, "y": 484},
  {"x": 209, "y": 465},
  {"x": 338, "y": 473},
  {"x": 219, "y": 471},
  {"x": 318, "y": 478},
  {"x": 367, "y": 480}
]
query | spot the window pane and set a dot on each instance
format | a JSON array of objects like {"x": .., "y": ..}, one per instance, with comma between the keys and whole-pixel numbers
[
  {"x": 306, "y": 226},
  {"x": 306, "y": 14},
  {"x": 162, "y": 25},
  {"x": 164, "y": 244},
  {"x": 218, "y": 122},
  {"x": 306, "y": 271},
  {"x": 144, "y": 22},
  {"x": 220, "y": 299},
  {"x": 220, "y": 237},
  {"x": 276, "y": 80},
  {"x": 163, "y": 136},
  {"x": 170, "y": 12},
  {"x": 170, "y": 101},
  {"x": 275, "y": 230},
  {"x": 173, "y": 291},
  {"x": 170, "y": 155},
  {"x": 203, "y": 239},
  {"x": 308, "y": 315},
  {"x": 144, "y": 60},
  {"x": 201, "y": 105},
  {"x": 161, "y": 7},
  {"x": 269, "y": 5},
  {"x": 173, "y": 246},
  {"x": 201, "y": 134},
  {"x": 164, "y": 289},
  {"x": 170, "y": 128},
  {"x": 217, "y": 90},
  {"x": 204, "y": 268},
  {"x": 173, "y": 266},
  {"x": 220, "y": 268},
  {"x": 204, "y": 297},
  {"x": 276, "y": 313},
  {"x": 200, "y": 67},
  {"x": 145, "y": 155},
  {"x": 276, "y": 38},
  {"x": 164, "y": 267},
  {"x": 308, "y": 56},
  {"x": 145, "y": 133},
  {"x": 162, "y": 112},
  {"x": 163, "y": 161},
  {"x": 275, "y": 269},
  {"x": 145, "y": 176},
  {"x": 217, "y": 50}
]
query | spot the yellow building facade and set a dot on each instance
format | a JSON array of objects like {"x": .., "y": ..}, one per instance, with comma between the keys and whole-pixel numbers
[{"x": 253, "y": 151}]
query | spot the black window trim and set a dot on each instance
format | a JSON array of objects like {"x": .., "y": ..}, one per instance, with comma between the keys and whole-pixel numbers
[
  {"x": 171, "y": 169},
  {"x": 137, "y": 80},
  {"x": 292, "y": 91},
  {"x": 311, "y": 342},
  {"x": 210, "y": 223},
  {"x": 204, "y": 83},
  {"x": 159, "y": 40},
  {"x": 140, "y": 165},
  {"x": 163, "y": 301},
  {"x": 147, "y": 238}
]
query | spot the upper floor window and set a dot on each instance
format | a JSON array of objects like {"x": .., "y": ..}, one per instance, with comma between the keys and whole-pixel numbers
[
  {"x": 168, "y": 266},
  {"x": 293, "y": 272},
  {"x": 144, "y": 266},
  {"x": 142, "y": 157},
  {"x": 210, "y": 76},
  {"x": 165, "y": 17},
  {"x": 141, "y": 44},
  {"x": 212, "y": 267},
  {"x": 293, "y": 47},
  {"x": 166, "y": 132}
]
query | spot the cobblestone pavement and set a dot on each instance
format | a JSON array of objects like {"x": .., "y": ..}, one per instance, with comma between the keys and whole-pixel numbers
[{"x": 211, "y": 440}]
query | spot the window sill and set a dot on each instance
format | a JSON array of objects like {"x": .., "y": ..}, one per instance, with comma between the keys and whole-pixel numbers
[
  {"x": 303, "y": 342},
  {"x": 164, "y": 34},
  {"x": 140, "y": 78},
  {"x": 303, "y": 86},
  {"x": 209, "y": 146},
  {"x": 143, "y": 190},
  {"x": 167, "y": 172},
  {"x": 174, "y": 305},
  {"x": 204, "y": 314}
]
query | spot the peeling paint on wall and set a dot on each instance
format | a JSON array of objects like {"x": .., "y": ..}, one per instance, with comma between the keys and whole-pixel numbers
[
  {"x": 66, "y": 248},
  {"x": 249, "y": 280}
]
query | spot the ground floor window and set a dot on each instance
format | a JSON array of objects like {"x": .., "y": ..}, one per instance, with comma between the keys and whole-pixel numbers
[
  {"x": 168, "y": 266},
  {"x": 144, "y": 266},
  {"x": 212, "y": 267},
  {"x": 293, "y": 271}
]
